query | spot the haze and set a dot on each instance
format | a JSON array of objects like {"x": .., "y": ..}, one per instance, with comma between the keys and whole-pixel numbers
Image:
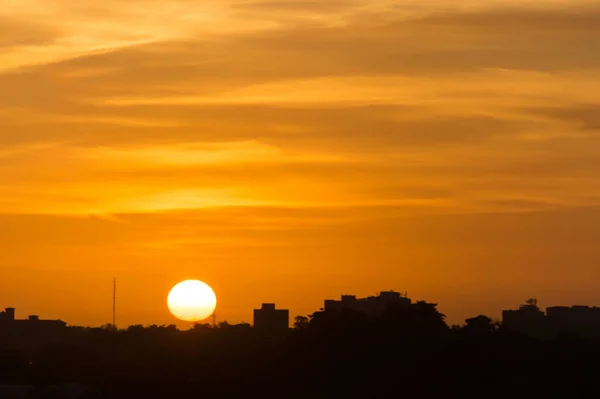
[{"x": 291, "y": 151}]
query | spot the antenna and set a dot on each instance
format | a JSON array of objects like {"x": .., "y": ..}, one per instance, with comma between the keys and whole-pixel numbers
[{"x": 114, "y": 323}]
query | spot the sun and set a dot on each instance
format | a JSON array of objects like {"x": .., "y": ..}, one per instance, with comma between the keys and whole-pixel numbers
[{"x": 192, "y": 300}]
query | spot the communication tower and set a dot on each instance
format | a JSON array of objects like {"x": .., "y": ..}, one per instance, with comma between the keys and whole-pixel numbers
[{"x": 114, "y": 320}]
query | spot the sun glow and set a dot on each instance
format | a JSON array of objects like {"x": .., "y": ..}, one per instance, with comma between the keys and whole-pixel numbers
[{"x": 192, "y": 300}]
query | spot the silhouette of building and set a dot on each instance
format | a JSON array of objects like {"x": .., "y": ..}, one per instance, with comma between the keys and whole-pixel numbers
[
  {"x": 7, "y": 316},
  {"x": 528, "y": 319},
  {"x": 373, "y": 306},
  {"x": 267, "y": 318},
  {"x": 575, "y": 319},
  {"x": 32, "y": 325}
]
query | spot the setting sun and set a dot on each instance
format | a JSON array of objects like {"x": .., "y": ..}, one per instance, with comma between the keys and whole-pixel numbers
[{"x": 192, "y": 300}]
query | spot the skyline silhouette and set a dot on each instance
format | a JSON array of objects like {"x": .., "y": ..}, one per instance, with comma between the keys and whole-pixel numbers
[
  {"x": 354, "y": 347},
  {"x": 528, "y": 318}
]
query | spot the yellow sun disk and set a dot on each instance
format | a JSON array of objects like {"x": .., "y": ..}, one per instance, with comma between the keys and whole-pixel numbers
[{"x": 192, "y": 300}]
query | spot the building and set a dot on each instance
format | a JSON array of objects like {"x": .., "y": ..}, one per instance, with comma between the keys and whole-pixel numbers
[
  {"x": 7, "y": 316},
  {"x": 373, "y": 306},
  {"x": 267, "y": 318},
  {"x": 526, "y": 315},
  {"x": 9, "y": 321},
  {"x": 32, "y": 326},
  {"x": 529, "y": 320},
  {"x": 575, "y": 319}
]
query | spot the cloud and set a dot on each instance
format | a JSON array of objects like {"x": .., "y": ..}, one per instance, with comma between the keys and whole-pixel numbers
[
  {"x": 427, "y": 108},
  {"x": 585, "y": 116},
  {"x": 297, "y": 6},
  {"x": 582, "y": 17},
  {"x": 20, "y": 33}
]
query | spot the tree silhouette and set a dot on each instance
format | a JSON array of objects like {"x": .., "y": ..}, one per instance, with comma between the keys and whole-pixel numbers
[
  {"x": 301, "y": 323},
  {"x": 531, "y": 302},
  {"x": 479, "y": 326}
]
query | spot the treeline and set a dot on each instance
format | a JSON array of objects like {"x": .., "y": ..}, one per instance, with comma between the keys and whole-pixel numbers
[{"x": 406, "y": 351}]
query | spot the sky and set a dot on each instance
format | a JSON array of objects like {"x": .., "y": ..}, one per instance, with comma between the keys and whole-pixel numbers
[{"x": 291, "y": 151}]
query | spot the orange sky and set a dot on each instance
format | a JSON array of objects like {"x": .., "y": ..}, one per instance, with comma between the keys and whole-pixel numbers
[{"x": 292, "y": 150}]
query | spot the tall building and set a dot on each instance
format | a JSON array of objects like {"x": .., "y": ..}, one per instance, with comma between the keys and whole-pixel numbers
[
  {"x": 373, "y": 306},
  {"x": 267, "y": 318}
]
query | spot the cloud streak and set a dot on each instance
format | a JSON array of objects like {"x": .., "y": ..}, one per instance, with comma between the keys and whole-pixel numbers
[{"x": 367, "y": 103}]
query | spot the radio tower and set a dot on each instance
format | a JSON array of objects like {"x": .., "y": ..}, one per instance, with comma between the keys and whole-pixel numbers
[{"x": 114, "y": 322}]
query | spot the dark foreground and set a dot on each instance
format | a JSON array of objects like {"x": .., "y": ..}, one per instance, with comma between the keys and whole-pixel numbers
[{"x": 345, "y": 356}]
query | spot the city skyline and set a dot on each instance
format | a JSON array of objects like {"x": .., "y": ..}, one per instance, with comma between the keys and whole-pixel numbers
[
  {"x": 290, "y": 150},
  {"x": 351, "y": 343},
  {"x": 372, "y": 305}
]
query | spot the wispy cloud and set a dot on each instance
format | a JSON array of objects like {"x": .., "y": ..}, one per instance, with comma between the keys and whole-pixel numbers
[{"x": 160, "y": 105}]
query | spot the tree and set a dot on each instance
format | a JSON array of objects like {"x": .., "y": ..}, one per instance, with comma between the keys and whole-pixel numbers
[
  {"x": 224, "y": 325},
  {"x": 108, "y": 327},
  {"x": 301, "y": 323},
  {"x": 202, "y": 327},
  {"x": 480, "y": 325},
  {"x": 531, "y": 302}
]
